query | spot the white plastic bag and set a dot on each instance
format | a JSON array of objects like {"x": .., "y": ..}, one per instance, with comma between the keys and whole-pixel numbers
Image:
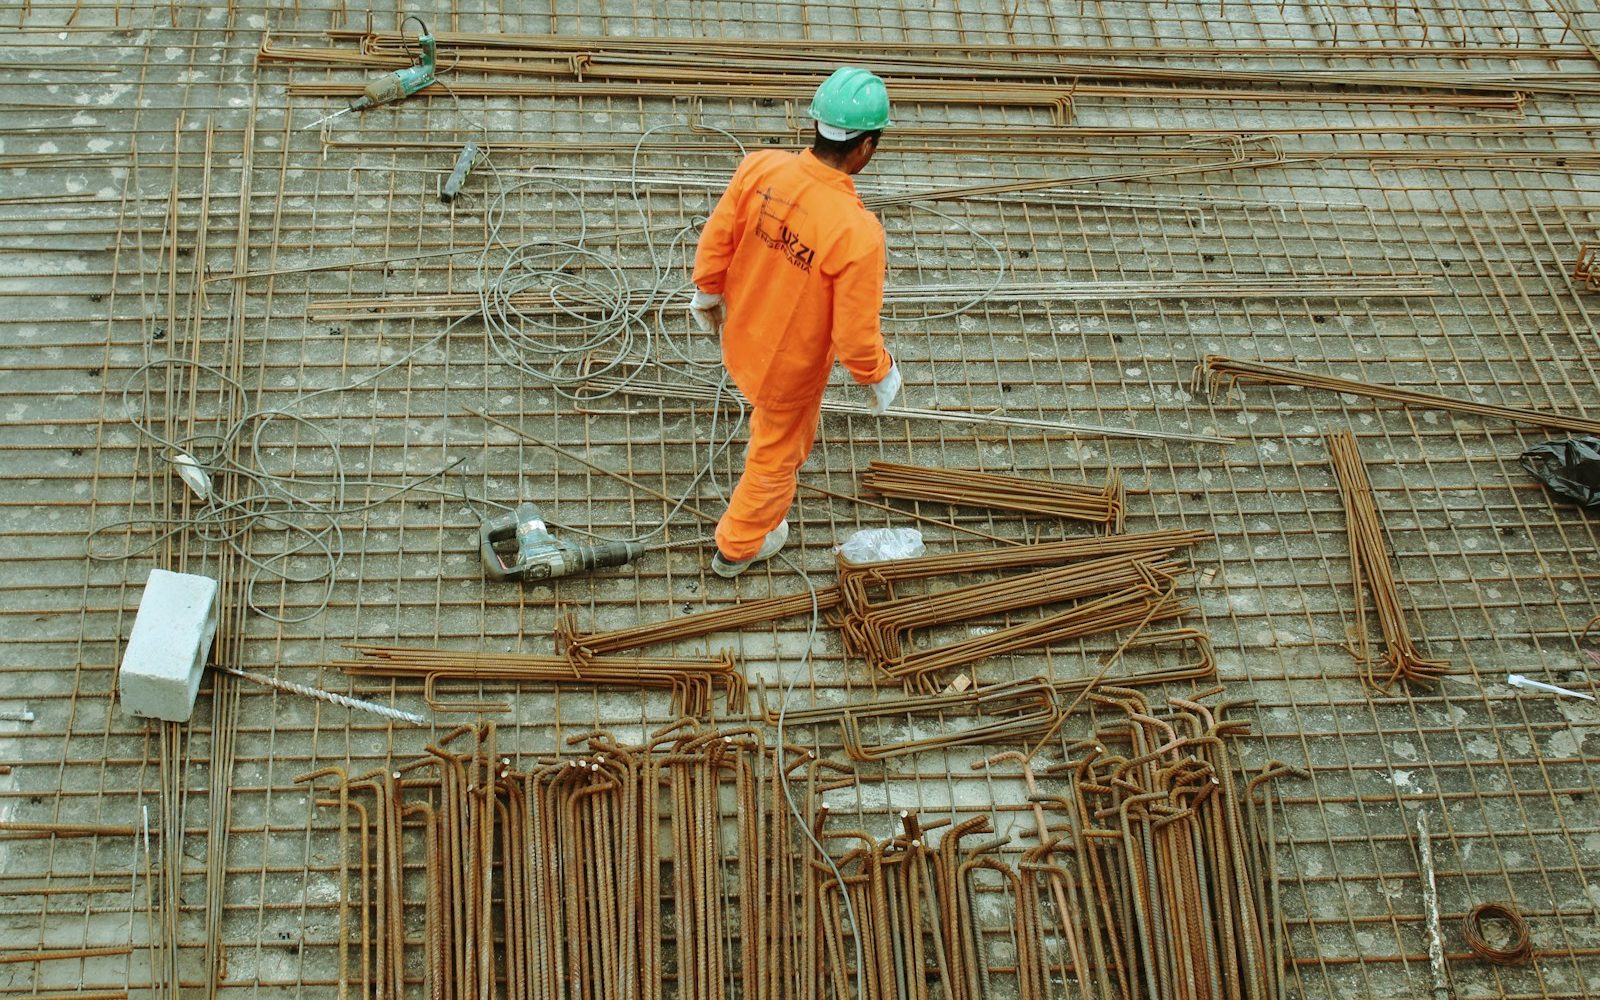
[{"x": 882, "y": 544}]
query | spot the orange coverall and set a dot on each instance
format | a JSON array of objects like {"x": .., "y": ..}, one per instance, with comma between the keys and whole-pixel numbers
[{"x": 799, "y": 261}]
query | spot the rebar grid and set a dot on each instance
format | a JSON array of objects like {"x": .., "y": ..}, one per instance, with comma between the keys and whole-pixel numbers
[{"x": 1484, "y": 214}]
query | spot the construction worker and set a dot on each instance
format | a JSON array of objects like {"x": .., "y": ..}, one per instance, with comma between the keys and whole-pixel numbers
[{"x": 789, "y": 272}]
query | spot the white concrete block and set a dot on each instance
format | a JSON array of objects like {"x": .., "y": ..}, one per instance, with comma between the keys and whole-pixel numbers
[{"x": 167, "y": 649}]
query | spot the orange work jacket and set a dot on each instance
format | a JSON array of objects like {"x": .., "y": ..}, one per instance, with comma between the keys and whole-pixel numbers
[{"x": 799, "y": 261}]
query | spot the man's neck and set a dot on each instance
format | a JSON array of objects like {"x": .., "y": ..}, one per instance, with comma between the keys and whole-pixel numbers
[{"x": 836, "y": 162}]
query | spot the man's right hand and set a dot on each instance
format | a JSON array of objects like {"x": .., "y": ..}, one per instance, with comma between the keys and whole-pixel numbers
[
  {"x": 883, "y": 393},
  {"x": 707, "y": 312}
]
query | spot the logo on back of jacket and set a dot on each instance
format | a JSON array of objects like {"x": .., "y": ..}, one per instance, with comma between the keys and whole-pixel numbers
[{"x": 777, "y": 232}]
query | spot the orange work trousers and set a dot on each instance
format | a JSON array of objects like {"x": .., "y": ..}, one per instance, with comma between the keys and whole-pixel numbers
[{"x": 780, "y": 442}]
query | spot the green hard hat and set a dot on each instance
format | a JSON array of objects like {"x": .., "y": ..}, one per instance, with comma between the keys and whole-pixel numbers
[{"x": 850, "y": 102}]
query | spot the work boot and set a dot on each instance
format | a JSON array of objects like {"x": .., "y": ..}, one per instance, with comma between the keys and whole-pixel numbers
[{"x": 728, "y": 569}]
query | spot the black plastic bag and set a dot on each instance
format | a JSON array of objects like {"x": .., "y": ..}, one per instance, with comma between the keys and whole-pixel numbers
[{"x": 1570, "y": 469}]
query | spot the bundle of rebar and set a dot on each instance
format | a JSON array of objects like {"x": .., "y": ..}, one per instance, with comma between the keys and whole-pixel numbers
[
  {"x": 1131, "y": 585},
  {"x": 1157, "y": 884},
  {"x": 915, "y": 914},
  {"x": 562, "y": 881},
  {"x": 876, "y": 630},
  {"x": 659, "y": 56},
  {"x": 1369, "y": 568},
  {"x": 1103, "y": 505},
  {"x": 1166, "y": 861},
  {"x": 1132, "y": 608},
  {"x": 693, "y": 682},
  {"x": 739, "y": 68},
  {"x": 858, "y": 581},
  {"x": 687, "y": 864},
  {"x": 879, "y": 632},
  {"x": 1218, "y": 374}
]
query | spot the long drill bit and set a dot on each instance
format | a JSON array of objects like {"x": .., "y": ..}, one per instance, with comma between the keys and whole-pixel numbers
[{"x": 328, "y": 696}]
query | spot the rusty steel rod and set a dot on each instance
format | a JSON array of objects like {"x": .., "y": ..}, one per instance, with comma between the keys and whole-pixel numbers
[{"x": 1219, "y": 374}]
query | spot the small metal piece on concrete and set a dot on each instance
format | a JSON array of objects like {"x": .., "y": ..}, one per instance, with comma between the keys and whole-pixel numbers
[{"x": 167, "y": 648}]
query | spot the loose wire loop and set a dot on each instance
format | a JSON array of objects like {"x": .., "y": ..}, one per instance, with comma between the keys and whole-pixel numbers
[
  {"x": 299, "y": 511},
  {"x": 1520, "y": 949}
]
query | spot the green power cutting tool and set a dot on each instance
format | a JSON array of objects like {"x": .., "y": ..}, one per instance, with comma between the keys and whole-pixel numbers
[{"x": 394, "y": 86}]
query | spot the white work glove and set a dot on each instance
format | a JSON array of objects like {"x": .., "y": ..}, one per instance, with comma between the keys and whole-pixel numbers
[
  {"x": 707, "y": 312},
  {"x": 883, "y": 393}
]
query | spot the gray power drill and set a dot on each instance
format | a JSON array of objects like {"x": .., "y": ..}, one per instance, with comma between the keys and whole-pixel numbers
[{"x": 534, "y": 554}]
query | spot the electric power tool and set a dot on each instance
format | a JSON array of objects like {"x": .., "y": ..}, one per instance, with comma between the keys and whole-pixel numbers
[
  {"x": 394, "y": 86},
  {"x": 518, "y": 546}
]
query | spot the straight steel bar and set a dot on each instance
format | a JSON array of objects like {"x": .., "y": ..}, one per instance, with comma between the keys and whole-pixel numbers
[
  {"x": 1219, "y": 374},
  {"x": 730, "y": 619},
  {"x": 642, "y": 387},
  {"x": 64, "y": 954},
  {"x": 431, "y": 305}
]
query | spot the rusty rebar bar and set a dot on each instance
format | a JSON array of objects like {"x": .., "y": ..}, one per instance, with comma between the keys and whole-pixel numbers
[{"x": 1218, "y": 374}]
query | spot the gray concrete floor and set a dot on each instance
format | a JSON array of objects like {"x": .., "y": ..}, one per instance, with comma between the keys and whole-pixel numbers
[{"x": 163, "y": 204}]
